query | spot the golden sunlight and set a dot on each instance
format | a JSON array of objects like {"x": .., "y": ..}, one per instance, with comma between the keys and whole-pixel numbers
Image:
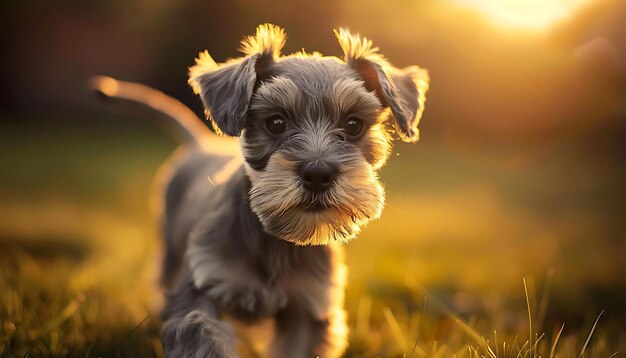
[{"x": 534, "y": 15}]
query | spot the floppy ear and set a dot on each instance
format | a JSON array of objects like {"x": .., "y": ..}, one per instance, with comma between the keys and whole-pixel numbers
[
  {"x": 402, "y": 90},
  {"x": 226, "y": 89}
]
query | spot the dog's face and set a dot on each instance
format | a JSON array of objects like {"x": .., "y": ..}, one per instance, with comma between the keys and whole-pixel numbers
[{"x": 314, "y": 130}]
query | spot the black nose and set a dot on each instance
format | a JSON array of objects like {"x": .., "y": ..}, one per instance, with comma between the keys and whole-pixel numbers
[{"x": 317, "y": 177}]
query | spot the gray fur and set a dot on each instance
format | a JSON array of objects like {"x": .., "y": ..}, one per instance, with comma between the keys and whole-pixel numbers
[
  {"x": 197, "y": 335},
  {"x": 233, "y": 267},
  {"x": 396, "y": 91},
  {"x": 226, "y": 93},
  {"x": 244, "y": 239},
  {"x": 299, "y": 335},
  {"x": 192, "y": 327}
]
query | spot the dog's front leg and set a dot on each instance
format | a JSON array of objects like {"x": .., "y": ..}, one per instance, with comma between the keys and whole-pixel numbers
[
  {"x": 192, "y": 329},
  {"x": 300, "y": 335}
]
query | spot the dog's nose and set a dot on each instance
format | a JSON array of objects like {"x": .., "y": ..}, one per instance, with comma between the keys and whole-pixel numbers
[{"x": 317, "y": 177}]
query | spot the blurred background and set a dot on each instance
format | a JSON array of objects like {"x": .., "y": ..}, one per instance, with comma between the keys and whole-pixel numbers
[{"x": 519, "y": 172}]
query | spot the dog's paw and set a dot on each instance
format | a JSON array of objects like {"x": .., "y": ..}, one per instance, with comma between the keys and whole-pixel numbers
[
  {"x": 197, "y": 335},
  {"x": 251, "y": 299}
]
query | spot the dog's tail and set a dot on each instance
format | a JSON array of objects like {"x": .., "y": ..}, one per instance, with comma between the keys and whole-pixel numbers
[{"x": 176, "y": 114}]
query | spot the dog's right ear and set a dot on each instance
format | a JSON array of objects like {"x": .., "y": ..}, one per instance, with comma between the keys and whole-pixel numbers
[
  {"x": 403, "y": 91},
  {"x": 226, "y": 89}
]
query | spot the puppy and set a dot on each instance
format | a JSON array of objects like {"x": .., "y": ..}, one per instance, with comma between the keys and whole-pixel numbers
[{"x": 253, "y": 231}]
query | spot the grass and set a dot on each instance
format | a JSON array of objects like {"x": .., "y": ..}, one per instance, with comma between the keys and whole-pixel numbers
[
  {"x": 470, "y": 258},
  {"x": 109, "y": 317}
]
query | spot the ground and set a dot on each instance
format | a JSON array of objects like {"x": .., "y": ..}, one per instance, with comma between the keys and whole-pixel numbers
[{"x": 443, "y": 272}]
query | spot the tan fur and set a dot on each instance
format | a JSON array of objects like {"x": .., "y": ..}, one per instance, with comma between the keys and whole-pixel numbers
[
  {"x": 277, "y": 196},
  {"x": 269, "y": 39}
]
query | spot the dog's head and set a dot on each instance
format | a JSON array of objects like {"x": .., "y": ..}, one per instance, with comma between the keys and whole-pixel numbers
[{"x": 314, "y": 130}]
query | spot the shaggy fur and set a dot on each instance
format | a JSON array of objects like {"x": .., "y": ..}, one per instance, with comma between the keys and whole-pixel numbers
[{"x": 244, "y": 237}]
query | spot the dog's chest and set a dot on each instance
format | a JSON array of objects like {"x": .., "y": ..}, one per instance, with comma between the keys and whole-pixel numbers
[
  {"x": 304, "y": 274},
  {"x": 254, "y": 288}
]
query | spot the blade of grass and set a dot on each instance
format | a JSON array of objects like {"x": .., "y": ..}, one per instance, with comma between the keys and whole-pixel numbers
[
  {"x": 65, "y": 314},
  {"x": 538, "y": 340},
  {"x": 556, "y": 340},
  {"x": 363, "y": 316},
  {"x": 419, "y": 330},
  {"x": 545, "y": 297},
  {"x": 395, "y": 329},
  {"x": 590, "y": 334},
  {"x": 495, "y": 343},
  {"x": 490, "y": 351},
  {"x": 521, "y": 349},
  {"x": 460, "y": 352},
  {"x": 530, "y": 319},
  {"x": 415, "y": 287},
  {"x": 511, "y": 346},
  {"x": 130, "y": 333},
  {"x": 440, "y": 352}
]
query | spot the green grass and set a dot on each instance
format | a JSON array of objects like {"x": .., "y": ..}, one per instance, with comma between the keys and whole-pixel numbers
[{"x": 440, "y": 275}]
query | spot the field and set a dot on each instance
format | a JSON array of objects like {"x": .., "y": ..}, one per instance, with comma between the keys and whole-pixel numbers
[{"x": 482, "y": 254}]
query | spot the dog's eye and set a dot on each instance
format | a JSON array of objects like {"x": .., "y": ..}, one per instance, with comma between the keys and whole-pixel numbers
[
  {"x": 353, "y": 127},
  {"x": 276, "y": 125}
]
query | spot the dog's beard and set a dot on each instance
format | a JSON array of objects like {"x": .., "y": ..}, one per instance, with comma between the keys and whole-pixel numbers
[{"x": 291, "y": 213}]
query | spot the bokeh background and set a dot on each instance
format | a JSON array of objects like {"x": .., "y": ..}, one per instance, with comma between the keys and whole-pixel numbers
[{"x": 519, "y": 173}]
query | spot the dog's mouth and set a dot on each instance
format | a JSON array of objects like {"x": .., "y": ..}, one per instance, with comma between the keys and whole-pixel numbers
[
  {"x": 314, "y": 207},
  {"x": 305, "y": 217}
]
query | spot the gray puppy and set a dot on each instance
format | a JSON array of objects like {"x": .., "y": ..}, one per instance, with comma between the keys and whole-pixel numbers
[{"x": 252, "y": 231}]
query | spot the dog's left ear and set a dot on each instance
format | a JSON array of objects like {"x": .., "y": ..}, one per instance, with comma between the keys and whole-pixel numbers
[
  {"x": 402, "y": 90},
  {"x": 226, "y": 89}
]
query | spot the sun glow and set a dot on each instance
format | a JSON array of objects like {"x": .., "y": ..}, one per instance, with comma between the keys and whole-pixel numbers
[{"x": 524, "y": 14}]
